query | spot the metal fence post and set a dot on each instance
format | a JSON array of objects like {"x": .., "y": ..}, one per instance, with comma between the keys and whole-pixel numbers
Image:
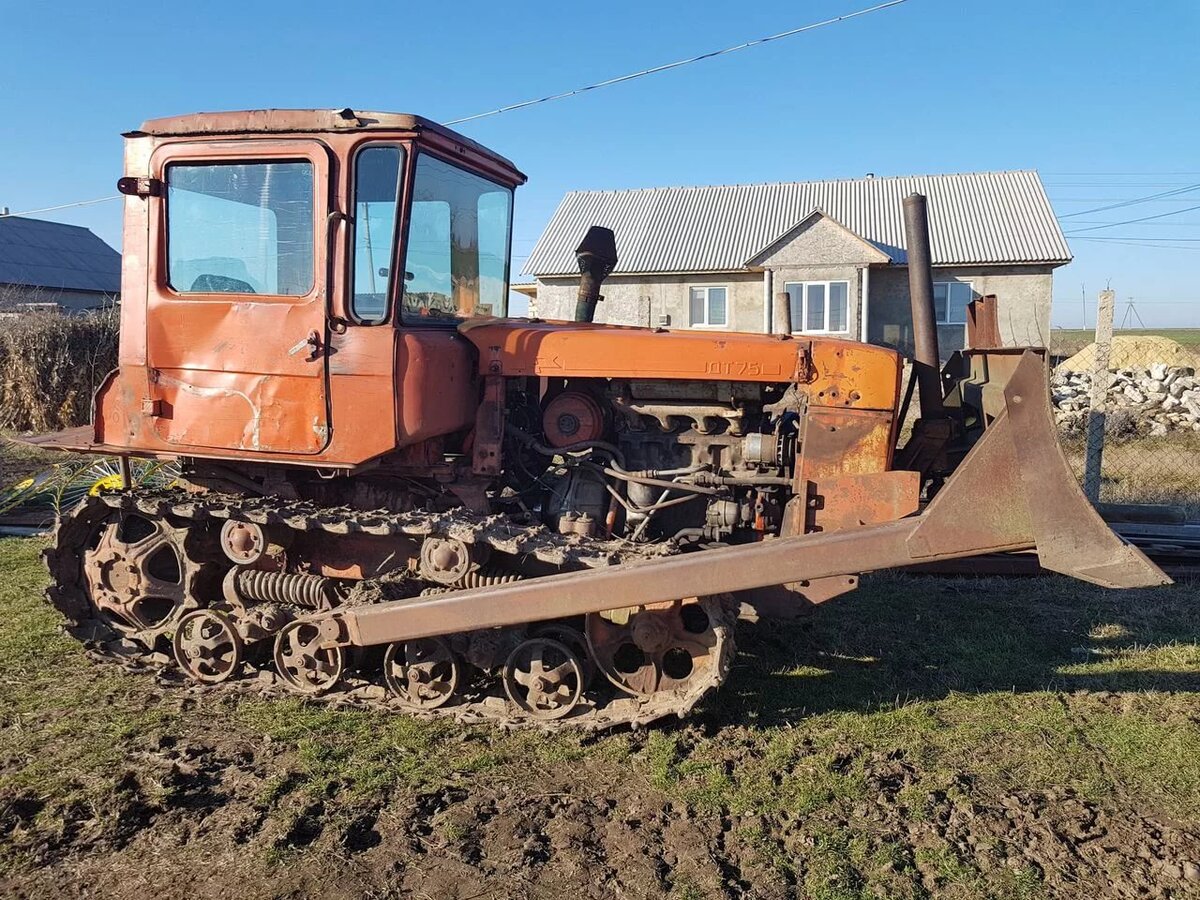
[{"x": 1098, "y": 403}]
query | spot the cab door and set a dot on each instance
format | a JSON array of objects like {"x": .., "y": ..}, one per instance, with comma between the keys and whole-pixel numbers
[{"x": 236, "y": 307}]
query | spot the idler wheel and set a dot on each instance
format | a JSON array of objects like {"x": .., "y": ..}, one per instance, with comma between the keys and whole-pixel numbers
[
  {"x": 543, "y": 678},
  {"x": 304, "y": 665},
  {"x": 422, "y": 674},
  {"x": 663, "y": 647},
  {"x": 207, "y": 646}
]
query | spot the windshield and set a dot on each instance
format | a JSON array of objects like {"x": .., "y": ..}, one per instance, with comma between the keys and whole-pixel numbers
[{"x": 456, "y": 262}]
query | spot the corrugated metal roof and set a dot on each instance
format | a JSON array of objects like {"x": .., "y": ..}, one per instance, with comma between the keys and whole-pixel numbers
[
  {"x": 974, "y": 218},
  {"x": 53, "y": 255}
]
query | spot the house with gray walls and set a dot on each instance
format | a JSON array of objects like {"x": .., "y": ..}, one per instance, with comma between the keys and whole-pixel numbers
[
  {"x": 718, "y": 257},
  {"x": 53, "y": 265}
]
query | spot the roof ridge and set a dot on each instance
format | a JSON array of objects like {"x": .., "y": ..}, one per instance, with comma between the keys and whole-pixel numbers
[{"x": 748, "y": 184}]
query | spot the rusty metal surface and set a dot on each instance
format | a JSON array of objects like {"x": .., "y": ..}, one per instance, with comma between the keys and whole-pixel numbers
[
  {"x": 983, "y": 323},
  {"x": 849, "y": 500},
  {"x": 837, "y": 442},
  {"x": 1072, "y": 538}
]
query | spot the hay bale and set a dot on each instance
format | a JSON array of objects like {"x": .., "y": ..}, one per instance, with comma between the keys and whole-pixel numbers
[
  {"x": 1134, "y": 352},
  {"x": 51, "y": 365}
]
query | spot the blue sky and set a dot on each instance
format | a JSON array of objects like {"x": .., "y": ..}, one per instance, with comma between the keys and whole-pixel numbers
[{"x": 1103, "y": 98}]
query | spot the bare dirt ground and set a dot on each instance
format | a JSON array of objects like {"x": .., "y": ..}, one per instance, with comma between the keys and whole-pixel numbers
[{"x": 923, "y": 738}]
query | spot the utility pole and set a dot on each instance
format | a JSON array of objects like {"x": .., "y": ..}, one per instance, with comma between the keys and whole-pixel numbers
[
  {"x": 1098, "y": 405},
  {"x": 1130, "y": 315}
]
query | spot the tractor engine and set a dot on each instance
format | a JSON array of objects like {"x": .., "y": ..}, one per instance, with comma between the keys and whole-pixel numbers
[{"x": 695, "y": 462}]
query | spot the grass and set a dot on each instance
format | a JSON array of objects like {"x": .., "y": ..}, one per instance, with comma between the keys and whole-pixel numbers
[{"x": 915, "y": 688}]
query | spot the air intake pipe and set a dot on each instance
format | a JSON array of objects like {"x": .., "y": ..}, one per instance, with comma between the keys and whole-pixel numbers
[
  {"x": 926, "y": 358},
  {"x": 597, "y": 256}
]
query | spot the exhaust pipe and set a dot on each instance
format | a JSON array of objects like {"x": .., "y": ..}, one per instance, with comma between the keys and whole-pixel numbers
[
  {"x": 926, "y": 357},
  {"x": 597, "y": 256}
]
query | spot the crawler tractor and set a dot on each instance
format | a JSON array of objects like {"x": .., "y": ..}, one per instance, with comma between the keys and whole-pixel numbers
[{"x": 389, "y": 493}]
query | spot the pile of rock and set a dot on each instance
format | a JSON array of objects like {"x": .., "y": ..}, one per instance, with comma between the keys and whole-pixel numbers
[{"x": 1155, "y": 401}]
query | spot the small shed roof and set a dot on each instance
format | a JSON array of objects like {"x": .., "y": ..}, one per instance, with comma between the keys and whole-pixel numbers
[
  {"x": 35, "y": 253},
  {"x": 983, "y": 218}
]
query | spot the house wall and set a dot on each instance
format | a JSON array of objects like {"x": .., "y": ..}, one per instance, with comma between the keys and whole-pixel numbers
[
  {"x": 644, "y": 299},
  {"x": 821, "y": 250},
  {"x": 1023, "y": 295}
]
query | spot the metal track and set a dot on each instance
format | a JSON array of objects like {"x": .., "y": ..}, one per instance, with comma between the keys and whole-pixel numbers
[{"x": 67, "y": 593}]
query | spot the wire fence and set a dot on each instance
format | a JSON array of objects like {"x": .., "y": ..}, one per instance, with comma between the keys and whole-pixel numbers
[{"x": 1143, "y": 404}]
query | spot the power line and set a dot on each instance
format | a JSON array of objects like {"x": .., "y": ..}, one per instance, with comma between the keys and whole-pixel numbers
[
  {"x": 1173, "y": 212},
  {"x": 1084, "y": 212},
  {"x": 1107, "y": 174},
  {"x": 1138, "y": 245},
  {"x": 30, "y": 212},
  {"x": 1114, "y": 200},
  {"x": 676, "y": 64},
  {"x": 1190, "y": 223}
]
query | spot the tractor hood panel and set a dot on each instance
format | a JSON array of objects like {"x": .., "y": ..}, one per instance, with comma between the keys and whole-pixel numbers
[{"x": 833, "y": 372}]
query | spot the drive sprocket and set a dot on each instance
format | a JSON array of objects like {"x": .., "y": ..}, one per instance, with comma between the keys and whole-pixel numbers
[{"x": 126, "y": 573}]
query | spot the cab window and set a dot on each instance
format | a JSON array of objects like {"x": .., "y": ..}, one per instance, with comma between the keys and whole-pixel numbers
[
  {"x": 377, "y": 181},
  {"x": 456, "y": 261},
  {"x": 240, "y": 228}
]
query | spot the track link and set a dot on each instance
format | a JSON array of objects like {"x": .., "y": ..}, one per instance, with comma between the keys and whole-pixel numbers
[{"x": 600, "y": 710}]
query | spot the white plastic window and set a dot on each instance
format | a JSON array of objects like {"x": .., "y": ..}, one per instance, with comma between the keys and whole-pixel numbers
[
  {"x": 950, "y": 300},
  {"x": 819, "y": 307},
  {"x": 708, "y": 307}
]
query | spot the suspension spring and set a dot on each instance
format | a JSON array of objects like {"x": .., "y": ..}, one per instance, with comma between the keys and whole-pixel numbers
[
  {"x": 487, "y": 578},
  {"x": 292, "y": 588}
]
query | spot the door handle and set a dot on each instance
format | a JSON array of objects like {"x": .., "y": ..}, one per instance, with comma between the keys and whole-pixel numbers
[{"x": 312, "y": 343}]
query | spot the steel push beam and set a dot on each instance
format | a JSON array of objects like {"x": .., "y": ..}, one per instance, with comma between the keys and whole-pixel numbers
[{"x": 1013, "y": 491}]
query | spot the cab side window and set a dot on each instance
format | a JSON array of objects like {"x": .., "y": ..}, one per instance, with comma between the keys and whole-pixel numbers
[{"x": 377, "y": 180}]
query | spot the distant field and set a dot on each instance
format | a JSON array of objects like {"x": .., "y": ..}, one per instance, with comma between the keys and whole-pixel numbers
[{"x": 1068, "y": 341}]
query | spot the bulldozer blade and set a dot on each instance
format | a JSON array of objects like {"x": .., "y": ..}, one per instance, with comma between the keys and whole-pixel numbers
[
  {"x": 1013, "y": 491},
  {"x": 1017, "y": 474}
]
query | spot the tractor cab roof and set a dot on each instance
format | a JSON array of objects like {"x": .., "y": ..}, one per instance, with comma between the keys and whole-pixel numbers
[{"x": 308, "y": 121}]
